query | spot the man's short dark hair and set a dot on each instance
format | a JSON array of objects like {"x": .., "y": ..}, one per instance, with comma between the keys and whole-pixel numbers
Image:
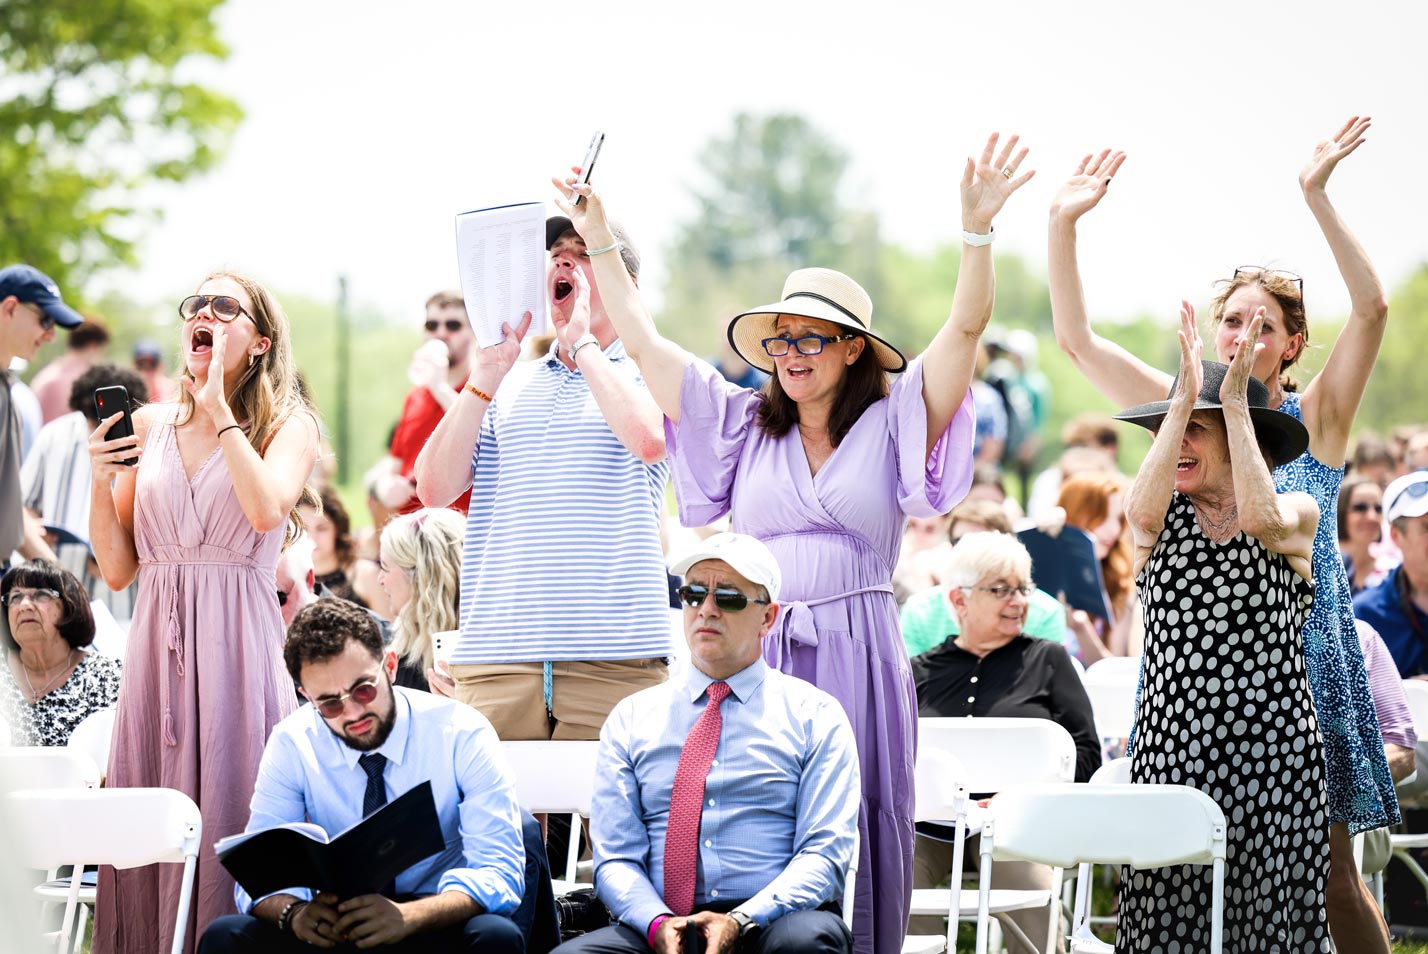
[
  {"x": 322, "y": 631},
  {"x": 88, "y": 334},
  {"x": 81, "y": 395}
]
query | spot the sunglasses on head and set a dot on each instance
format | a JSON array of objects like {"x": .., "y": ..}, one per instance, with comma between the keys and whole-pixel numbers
[
  {"x": 224, "y": 307},
  {"x": 453, "y": 325},
  {"x": 364, "y": 693},
  {"x": 1363, "y": 506},
  {"x": 1251, "y": 271},
  {"x": 693, "y": 595}
]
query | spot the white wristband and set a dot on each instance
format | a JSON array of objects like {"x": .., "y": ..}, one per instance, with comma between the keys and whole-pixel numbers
[
  {"x": 586, "y": 339},
  {"x": 977, "y": 239}
]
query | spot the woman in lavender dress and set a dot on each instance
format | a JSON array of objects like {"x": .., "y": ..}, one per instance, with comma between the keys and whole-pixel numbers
[
  {"x": 824, "y": 465},
  {"x": 1360, "y": 789},
  {"x": 200, "y": 521}
]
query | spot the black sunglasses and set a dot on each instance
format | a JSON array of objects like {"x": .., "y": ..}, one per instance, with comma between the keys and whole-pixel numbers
[
  {"x": 453, "y": 325},
  {"x": 731, "y": 601},
  {"x": 364, "y": 693},
  {"x": 224, "y": 307},
  {"x": 1363, "y": 506},
  {"x": 1251, "y": 270},
  {"x": 46, "y": 320},
  {"x": 808, "y": 344}
]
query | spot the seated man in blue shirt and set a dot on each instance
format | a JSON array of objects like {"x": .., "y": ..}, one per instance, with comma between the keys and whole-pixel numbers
[
  {"x": 359, "y": 744},
  {"x": 1398, "y": 606},
  {"x": 726, "y": 801}
]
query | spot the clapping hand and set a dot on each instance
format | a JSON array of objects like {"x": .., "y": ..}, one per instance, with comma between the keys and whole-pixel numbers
[
  {"x": 987, "y": 182},
  {"x": 1315, "y": 174},
  {"x": 1192, "y": 372},
  {"x": 1235, "y": 386},
  {"x": 1083, "y": 191}
]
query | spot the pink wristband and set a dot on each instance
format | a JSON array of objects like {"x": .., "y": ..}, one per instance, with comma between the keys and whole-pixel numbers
[{"x": 655, "y": 926}]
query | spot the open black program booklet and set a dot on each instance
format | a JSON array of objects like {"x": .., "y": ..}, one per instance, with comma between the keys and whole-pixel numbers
[{"x": 360, "y": 860}]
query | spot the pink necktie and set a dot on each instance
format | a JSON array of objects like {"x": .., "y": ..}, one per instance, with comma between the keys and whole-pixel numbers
[{"x": 686, "y": 804}]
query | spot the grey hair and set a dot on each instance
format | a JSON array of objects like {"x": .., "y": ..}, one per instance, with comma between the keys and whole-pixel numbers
[{"x": 986, "y": 554}]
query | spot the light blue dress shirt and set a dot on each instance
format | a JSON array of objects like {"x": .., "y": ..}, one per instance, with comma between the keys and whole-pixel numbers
[
  {"x": 309, "y": 774},
  {"x": 780, "y": 810}
]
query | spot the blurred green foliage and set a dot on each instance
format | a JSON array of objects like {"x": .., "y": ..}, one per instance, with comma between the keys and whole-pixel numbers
[{"x": 92, "y": 110}]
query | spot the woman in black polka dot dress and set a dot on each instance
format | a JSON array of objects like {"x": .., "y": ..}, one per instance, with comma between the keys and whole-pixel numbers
[{"x": 1224, "y": 568}]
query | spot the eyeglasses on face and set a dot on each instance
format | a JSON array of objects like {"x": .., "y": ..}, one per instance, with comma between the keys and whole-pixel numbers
[
  {"x": 808, "y": 344},
  {"x": 453, "y": 325},
  {"x": 1002, "y": 591},
  {"x": 364, "y": 694},
  {"x": 1363, "y": 506},
  {"x": 224, "y": 307},
  {"x": 46, "y": 321},
  {"x": 39, "y": 597},
  {"x": 1254, "y": 271},
  {"x": 731, "y": 601}
]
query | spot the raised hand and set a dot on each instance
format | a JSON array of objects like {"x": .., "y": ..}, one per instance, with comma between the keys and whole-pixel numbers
[
  {"x": 1235, "y": 387},
  {"x": 489, "y": 365},
  {"x": 1083, "y": 191},
  {"x": 211, "y": 396},
  {"x": 988, "y": 181},
  {"x": 589, "y": 216},
  {"x": 570, "y": 315},
  {"x": 1192, "y": 372},
  {"x": 1316, "y": 172}
]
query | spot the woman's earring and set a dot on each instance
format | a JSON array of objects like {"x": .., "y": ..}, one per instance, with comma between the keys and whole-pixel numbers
[{"x": 252, "y": 358}]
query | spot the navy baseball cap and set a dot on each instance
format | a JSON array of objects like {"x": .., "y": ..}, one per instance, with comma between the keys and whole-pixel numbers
[{"x": 29, "y": 284}]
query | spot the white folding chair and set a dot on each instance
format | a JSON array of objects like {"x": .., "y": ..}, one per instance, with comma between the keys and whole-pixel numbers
[
  {"x": 1114, "y": 772},
  {"x": 126, "y": 828},
  {"x": 1143, "y": 826},
  {"x": 941, "y": 795},
  {"x": 1111, "y": 689},
  {"x": 1417, "y": 692},
  {"x": 556, "y": 777},
  {"x": 35, "y": 766},
  {"x": 93, "y": 737},
  {"x": 1116, "y": 665},
  {"x": 996, "y": 754}
]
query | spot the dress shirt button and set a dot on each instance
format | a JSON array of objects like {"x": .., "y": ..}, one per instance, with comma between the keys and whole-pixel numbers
[
  {"x": 714, "y": 893},
  {"x": 715, "y": 762},
  {"x": 971, "y": 699},
  {"x": 974, "y": 678},
  {"x": 711, "y": 801},
  {"x": 708, "y": 843}
]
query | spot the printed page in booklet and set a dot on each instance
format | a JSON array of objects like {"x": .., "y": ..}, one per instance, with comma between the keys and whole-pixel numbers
[{"x": 500, "y": 253}]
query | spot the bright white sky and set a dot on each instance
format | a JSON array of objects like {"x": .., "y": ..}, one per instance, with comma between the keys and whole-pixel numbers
[{"x": 370, "y": 124}]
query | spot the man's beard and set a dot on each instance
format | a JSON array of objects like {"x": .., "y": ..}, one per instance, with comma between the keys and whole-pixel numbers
[{"x": 384, "y": 729}]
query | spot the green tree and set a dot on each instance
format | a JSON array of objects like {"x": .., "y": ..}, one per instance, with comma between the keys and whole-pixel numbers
[{"x": 91, "y": 110}]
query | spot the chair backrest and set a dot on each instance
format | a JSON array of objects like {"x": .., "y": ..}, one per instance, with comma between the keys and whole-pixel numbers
[
  {"x": 1114, "y": 772},
  {"x": 123, "y": 827},
  {"x": 1077, "y": 665},
  {"x": 93, "y": 736},
  {"x": 1417, "y": 692},
  {"x": 553, "y": 776},
  {"x": 938, "y": 784},
  {"x": 35, "y": 766},
  {"x": 997, "y": 753},
  {"x": 1114, "y": 666},
  {"x": 1144, "y": 826}
]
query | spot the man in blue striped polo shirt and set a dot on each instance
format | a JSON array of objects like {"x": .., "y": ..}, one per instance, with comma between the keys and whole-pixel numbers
[{"x": 564, "y": 599}]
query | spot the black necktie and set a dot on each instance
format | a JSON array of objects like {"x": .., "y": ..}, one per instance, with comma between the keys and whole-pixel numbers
[{"x": 373, "y": 763}]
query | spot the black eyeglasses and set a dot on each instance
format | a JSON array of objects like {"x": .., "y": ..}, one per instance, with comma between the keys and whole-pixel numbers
[
  {"x": 282, "y": 598},
  {"x": 364, "y": 694},
  {"x": 1254, "y": 270},
  {"x": 731, "y": 601},
  {"x": 17, "y": 596},
  {"x": 453, "y": 325},
  {"x": 1002, "y": 591},
  {"x": 224, "y": 307},
  {"x": 1364, "y": 506},
  {"x": 808, "y": 344}
]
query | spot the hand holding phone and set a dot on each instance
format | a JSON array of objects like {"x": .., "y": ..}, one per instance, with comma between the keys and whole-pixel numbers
[
  {"x": 692, "y": 940},
  {"x": 109, "y": 401},
  {"x": 588, "y": 165}
]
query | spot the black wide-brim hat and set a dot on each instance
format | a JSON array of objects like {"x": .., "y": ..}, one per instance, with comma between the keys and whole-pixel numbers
[{"x": 1284, "y": 436}]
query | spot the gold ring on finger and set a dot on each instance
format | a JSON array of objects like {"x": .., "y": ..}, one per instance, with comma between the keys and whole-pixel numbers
[{"x": 1007, "y": 172}]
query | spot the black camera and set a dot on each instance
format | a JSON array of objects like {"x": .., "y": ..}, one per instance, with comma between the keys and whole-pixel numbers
[{"x": 581, "y": 912}]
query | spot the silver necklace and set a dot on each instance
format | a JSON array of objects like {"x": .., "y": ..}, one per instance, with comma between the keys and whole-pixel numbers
[
  {"x": 25, "y": 671},
  {"x": 1217, "y": 528}
]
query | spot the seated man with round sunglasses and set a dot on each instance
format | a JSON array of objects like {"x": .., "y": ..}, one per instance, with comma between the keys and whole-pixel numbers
[
  {"x": 726, "y": 800},
  {"x": 361, "y": 743}
]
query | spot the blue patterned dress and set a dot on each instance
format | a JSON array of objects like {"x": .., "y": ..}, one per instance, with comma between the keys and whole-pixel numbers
[
  {"x": 1356, "y": 776},
  {"x": 1360, "y": 789}
]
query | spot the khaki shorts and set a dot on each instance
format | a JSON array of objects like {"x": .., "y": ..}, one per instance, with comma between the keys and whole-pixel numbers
[{"x": 512, "y": 695}]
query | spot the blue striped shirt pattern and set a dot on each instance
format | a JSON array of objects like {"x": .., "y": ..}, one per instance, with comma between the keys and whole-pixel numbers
[
  {"x": 562, "y": 557},
  {"x": 780, "y": 810}
]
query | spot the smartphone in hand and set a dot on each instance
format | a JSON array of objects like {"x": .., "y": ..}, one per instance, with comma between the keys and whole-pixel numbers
[
  {"x": 109, "y": 401},
  {"x": 693, "y": 939},
  {"x": 588, "y": 165}
]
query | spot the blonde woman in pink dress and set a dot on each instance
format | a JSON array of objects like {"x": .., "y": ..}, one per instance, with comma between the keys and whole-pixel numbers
[{"x": 200, "y": 522}]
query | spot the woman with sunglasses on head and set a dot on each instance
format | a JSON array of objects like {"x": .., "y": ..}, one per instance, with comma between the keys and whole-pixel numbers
[
  {"x": 1361, "y": 795},
  {"x": 1360, "y": 526},
  {"x": 200, "y": 521},
  {"x": 825, "y": 464},
  {"x": 420, "y": 571}
]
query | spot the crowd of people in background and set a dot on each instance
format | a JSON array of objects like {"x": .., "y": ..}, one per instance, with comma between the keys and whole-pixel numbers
[{"x": 844, "y": 552}]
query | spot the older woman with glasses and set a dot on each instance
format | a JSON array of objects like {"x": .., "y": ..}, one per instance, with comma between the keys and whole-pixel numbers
[
  {"x": 53, "y": 682},
  {"x": 1361, "y": 795},
  {"x": 824, "y": 465},
  {"x": 992, "y": 668},
  {"x": 200, "y": 522}
]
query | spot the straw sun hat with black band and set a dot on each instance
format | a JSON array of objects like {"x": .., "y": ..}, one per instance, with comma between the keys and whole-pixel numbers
[{"x": 818, "y": 293}]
